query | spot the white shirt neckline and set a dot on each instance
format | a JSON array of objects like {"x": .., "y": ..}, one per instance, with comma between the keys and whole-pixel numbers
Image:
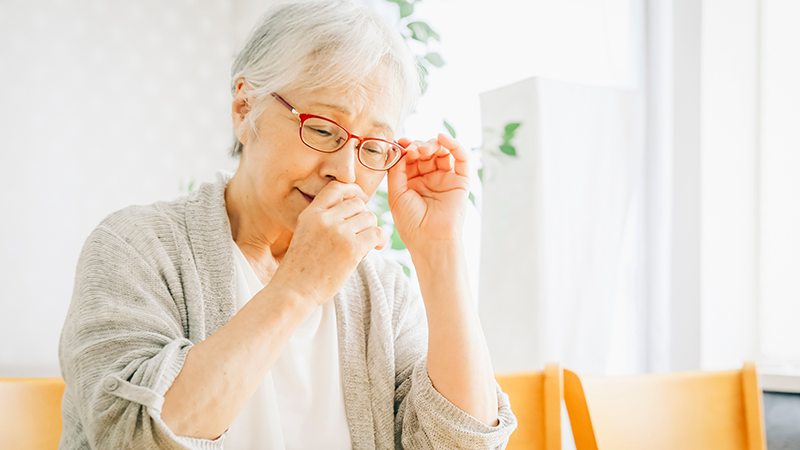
[{"x": 303, "y": 390}]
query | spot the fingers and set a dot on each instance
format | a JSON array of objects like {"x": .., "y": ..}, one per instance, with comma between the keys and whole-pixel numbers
[
  {"x": 362, "y": 221},
  {"x": 347, "y": 209},
  {"x": 445, "y": 163},
  {"x": 372, "y": 238},
  {"x": 335, "y": 193},
  {"x": 422, "y": 158},
  {"x": 427, "y": 165},
  {"x": 357, "y": 219},
  {"x": 419, "y": 150},
  {"x": 460, "y": 154},
  {"x": 398, "y": 178}
]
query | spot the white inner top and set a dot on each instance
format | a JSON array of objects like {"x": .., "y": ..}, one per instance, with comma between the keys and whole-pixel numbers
[{"x": 300, "y": 403}]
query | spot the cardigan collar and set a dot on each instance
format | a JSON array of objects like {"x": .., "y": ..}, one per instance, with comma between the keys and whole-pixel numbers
[{"x": 209, "y": 233}]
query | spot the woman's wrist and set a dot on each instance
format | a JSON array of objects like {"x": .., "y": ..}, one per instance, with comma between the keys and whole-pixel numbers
[
  {"x": 437, "y": 253},
  {"x": 442, "y": 272},
  {"x": 295, "y": 299}
]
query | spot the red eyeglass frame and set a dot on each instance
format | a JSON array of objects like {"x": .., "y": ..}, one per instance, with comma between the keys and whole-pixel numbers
[{"x": 304, "y": 117}]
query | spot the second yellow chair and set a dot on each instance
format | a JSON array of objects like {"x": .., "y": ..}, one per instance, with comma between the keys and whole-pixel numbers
[{"x": 688, "y": 411}]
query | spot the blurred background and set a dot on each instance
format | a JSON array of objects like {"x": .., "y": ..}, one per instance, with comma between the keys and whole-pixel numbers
[{"x": 637, "y": 207}]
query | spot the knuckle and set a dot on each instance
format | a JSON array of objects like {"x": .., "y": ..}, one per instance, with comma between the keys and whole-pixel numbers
[
  {"x": 322, "y": 217},
  {"x": 340, "y": 242},
  {"x": 350, "y": 246}
]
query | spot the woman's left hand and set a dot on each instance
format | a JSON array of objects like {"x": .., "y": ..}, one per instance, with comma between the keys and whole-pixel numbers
[{"x": 428, "y": 190}]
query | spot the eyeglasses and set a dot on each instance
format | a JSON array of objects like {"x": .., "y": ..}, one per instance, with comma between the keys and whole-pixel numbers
[{"x": 327, "y": 136}]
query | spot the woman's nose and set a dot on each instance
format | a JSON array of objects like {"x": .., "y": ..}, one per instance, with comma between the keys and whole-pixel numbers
[{"x": 341, "y": 164}]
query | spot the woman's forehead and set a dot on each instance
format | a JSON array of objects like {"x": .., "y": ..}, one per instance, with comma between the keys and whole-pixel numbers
[{"x": 378, "y": 109}]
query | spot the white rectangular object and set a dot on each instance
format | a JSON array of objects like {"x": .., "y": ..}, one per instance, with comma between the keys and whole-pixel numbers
[{"x": 562, "y": 227}]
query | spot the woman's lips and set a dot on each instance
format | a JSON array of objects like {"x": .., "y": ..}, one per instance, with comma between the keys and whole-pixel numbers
[{"x": 309, "y": 198}]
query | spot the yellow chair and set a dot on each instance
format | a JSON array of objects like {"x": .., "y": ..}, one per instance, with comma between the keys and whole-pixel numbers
[
  {"x": 687, "y": 411},
  {"x": 30, "y": 413},
  {"x": 536, "y": 401}
]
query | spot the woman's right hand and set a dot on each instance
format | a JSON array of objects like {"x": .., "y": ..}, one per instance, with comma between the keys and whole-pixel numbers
[{"x": 334, "y": 233}]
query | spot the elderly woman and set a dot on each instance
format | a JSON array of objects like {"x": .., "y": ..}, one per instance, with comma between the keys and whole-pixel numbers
[{"x": 253, "y": 313}]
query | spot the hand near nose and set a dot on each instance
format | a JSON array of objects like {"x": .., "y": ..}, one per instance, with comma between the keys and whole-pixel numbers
[
  {"x": 428, "y": 191},
  {"x": 334, "y": 233}
]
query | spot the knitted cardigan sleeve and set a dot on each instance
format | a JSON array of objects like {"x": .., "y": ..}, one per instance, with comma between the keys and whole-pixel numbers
[
  {"x": 122, "y": 345},
  {"x": 424, "y": 419}
]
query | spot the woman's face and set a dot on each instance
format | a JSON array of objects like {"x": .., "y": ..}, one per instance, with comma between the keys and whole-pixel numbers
[{"x": 285, "y": 175}]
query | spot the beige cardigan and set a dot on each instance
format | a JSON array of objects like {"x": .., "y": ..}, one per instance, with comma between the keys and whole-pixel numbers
[{"x": 152, "y": 281}]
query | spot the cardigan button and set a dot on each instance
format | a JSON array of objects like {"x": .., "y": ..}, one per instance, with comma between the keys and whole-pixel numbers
[{"x": 110, "y": 384}]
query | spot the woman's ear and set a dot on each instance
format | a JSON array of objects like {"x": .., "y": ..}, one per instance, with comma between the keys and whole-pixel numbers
[{"x": 239, "y": 110}]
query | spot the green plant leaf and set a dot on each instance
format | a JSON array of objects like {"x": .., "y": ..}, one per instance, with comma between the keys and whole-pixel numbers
[
  {"x": 406, "y": 8},
  {"x": 421, "y": 31},
  {"x": 423, "y": 75},
  {"x": 480, "y": 174},
  {"x": 406, "y": 270},
  {"x": 472, "y": 198},
  {"x": 510, "y": 130},
  {"x": 508, "y": 149},
  {"x": 421, "y": 63},
  {"x": 397, "y": 243},
  {"x": 450, "y": 129},
  {"x": 435, "y": 59}
]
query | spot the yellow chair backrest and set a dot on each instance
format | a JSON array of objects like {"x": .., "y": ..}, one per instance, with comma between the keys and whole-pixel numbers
[
  {"x": 536, "y": 401},
  {"x": 30, "y": 413},
  {"x": 687, "y": 411}
]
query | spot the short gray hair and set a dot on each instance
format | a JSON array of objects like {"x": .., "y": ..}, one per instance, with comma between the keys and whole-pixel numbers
[{"x": 306, "y": 45}]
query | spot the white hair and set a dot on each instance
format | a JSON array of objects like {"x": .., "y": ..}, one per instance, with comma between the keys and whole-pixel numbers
[{"x": 306, "y": 45}]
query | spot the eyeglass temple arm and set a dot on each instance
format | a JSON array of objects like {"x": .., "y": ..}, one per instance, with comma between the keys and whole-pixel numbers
[{"x": 285, "y": 103}]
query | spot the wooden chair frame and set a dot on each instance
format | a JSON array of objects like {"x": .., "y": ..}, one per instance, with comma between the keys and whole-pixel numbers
[
  {"x": 585, "y": 416},
  {"x": 536, "y": 401},
  {"x": 30, "y": 413}
]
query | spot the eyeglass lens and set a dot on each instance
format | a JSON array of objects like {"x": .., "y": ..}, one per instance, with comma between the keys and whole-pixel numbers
[{"x": 327, "y": 136}]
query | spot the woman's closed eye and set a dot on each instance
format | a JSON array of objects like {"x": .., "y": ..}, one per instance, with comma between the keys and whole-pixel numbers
[
  {"x": 373, "y": 148},
  {"x": 322, "y": 132}
]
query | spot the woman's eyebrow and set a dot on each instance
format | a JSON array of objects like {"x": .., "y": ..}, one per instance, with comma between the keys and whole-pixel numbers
[
  {"x": 383, "y": 126},
  {"x": 339, "y": 108},
  {"x": 375, "y": 123}
]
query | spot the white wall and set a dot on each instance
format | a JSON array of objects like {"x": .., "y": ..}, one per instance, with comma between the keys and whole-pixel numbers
[
  {"x": 729, "y": 166},
  {"x": 779, "y": 190},
  {"x": 103, "y": 104}
]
